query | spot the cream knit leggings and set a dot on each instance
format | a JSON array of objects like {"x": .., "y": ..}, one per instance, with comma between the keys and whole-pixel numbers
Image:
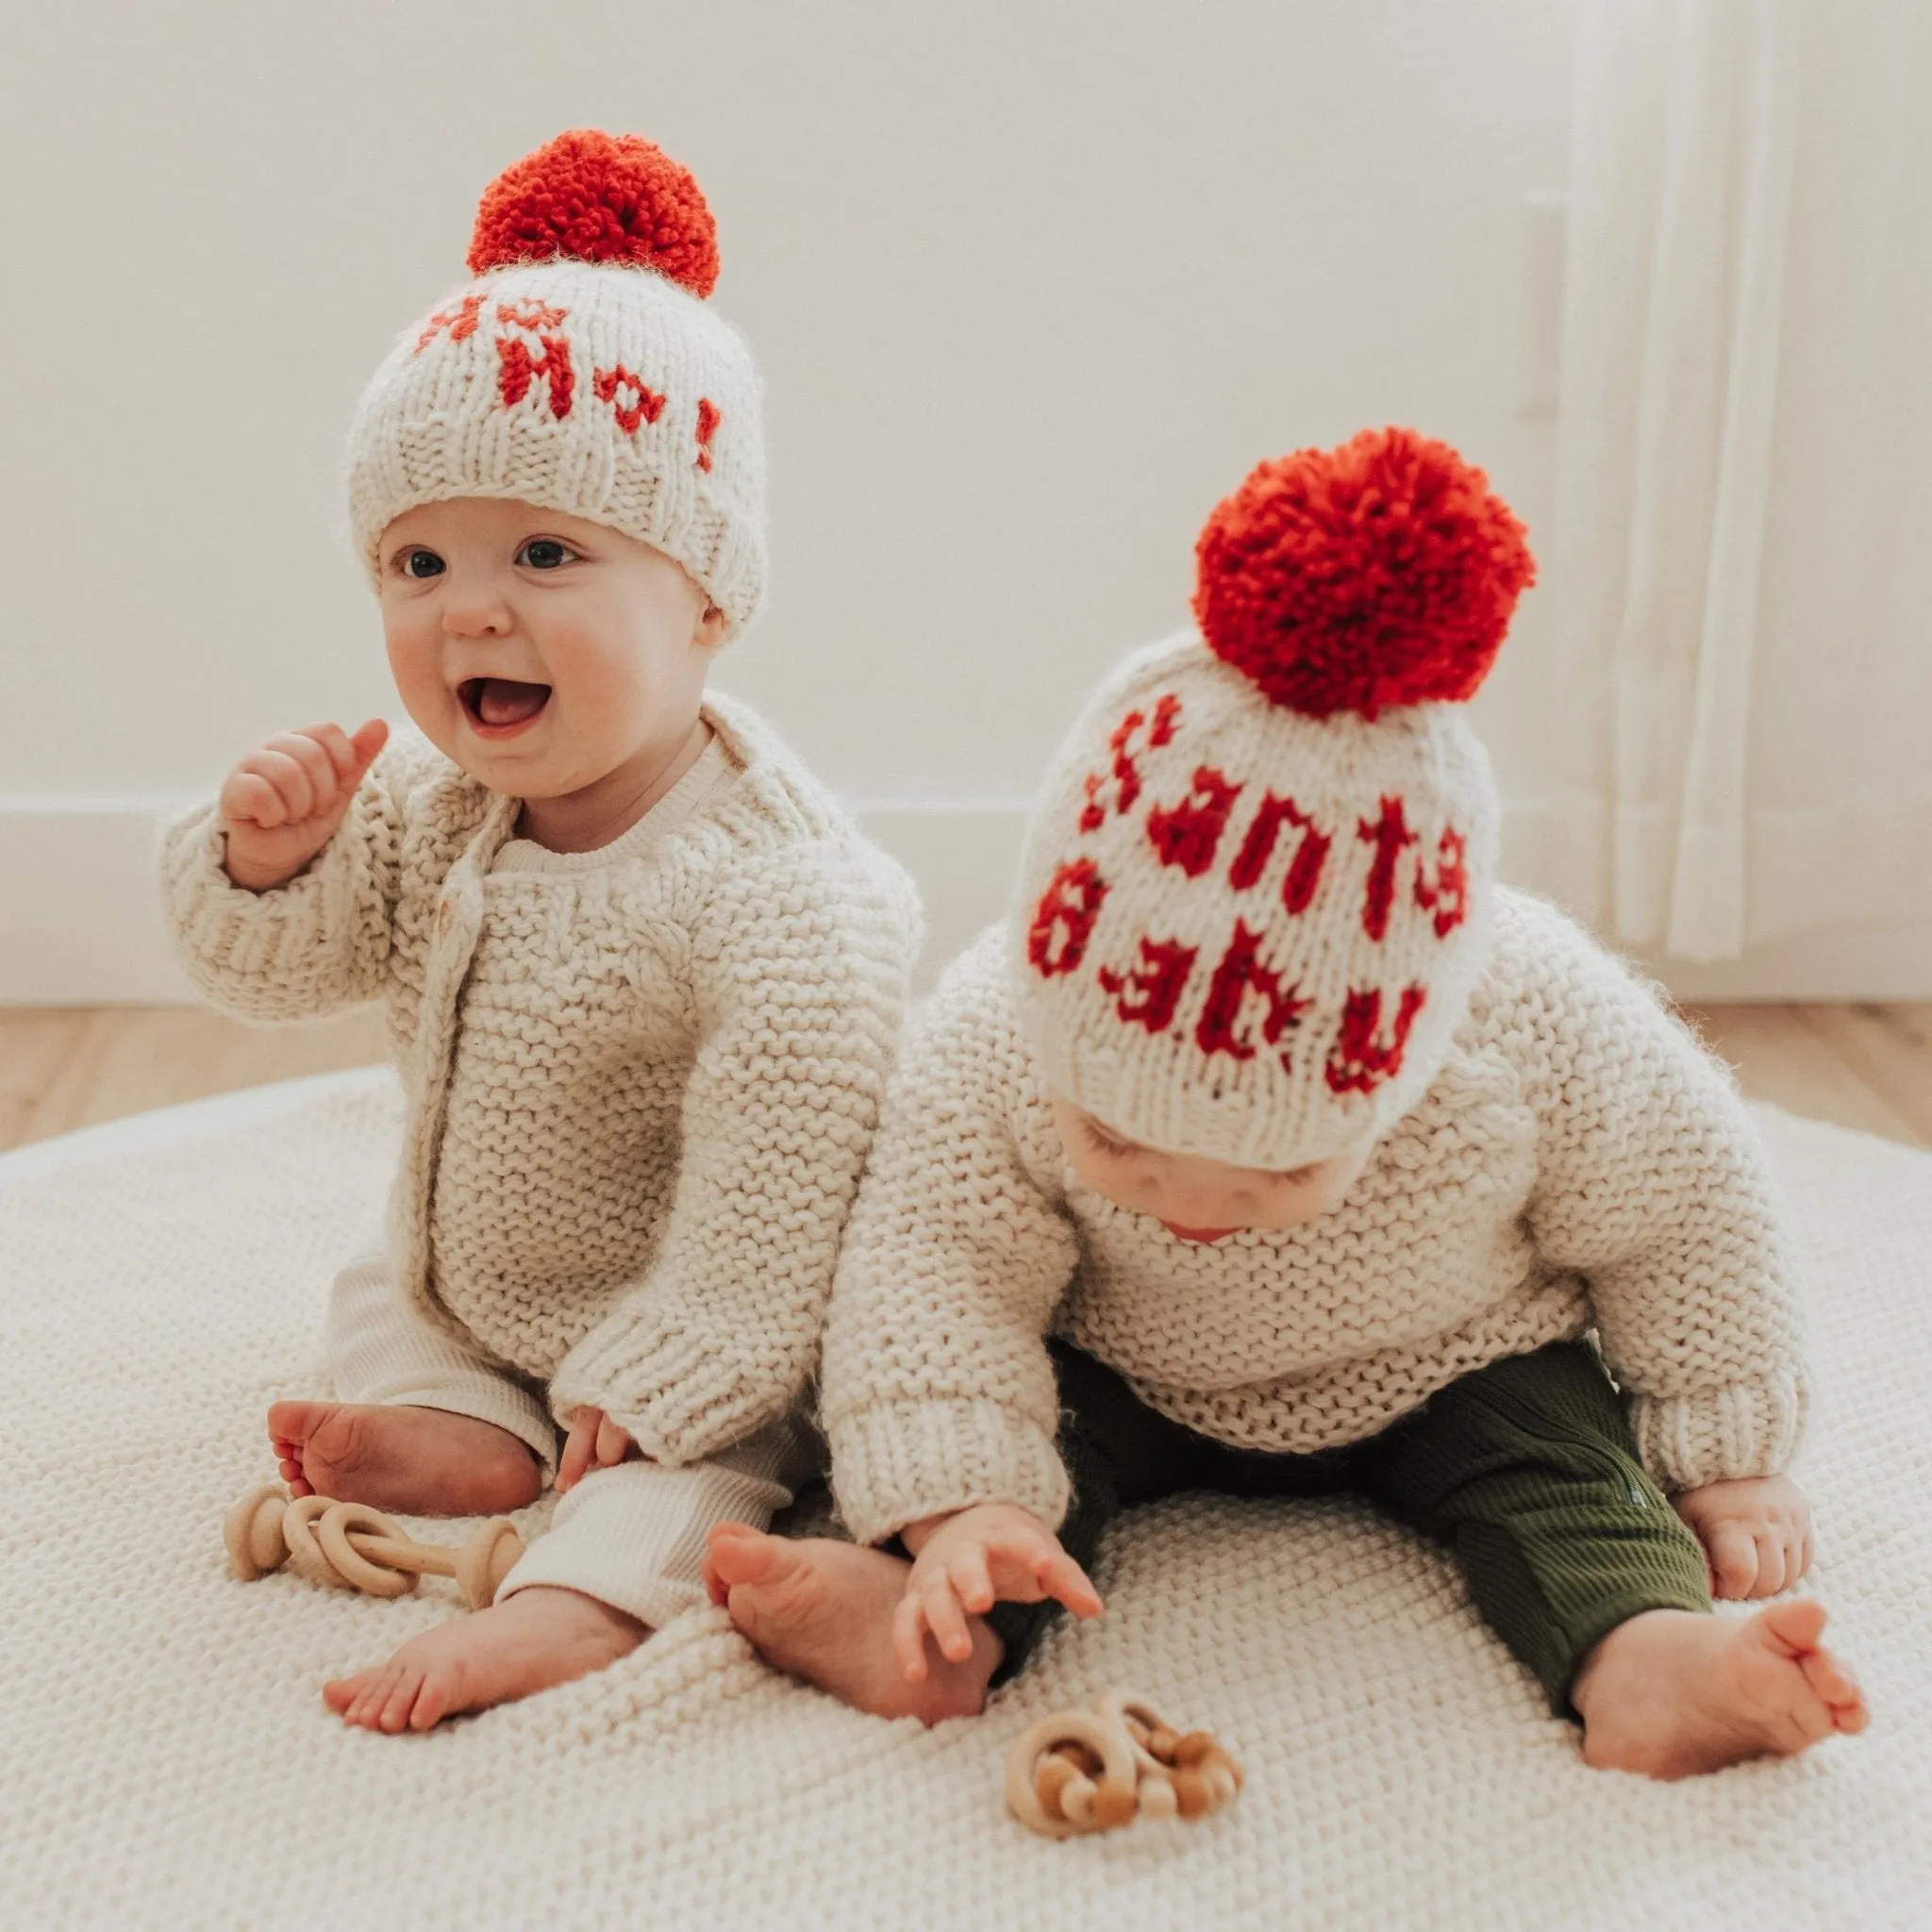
[{"x": 633, "y": 1535}]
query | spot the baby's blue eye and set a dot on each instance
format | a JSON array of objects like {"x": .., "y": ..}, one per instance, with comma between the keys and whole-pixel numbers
[
  {"x": 422, "y": 564},
  {"x": 545, "y": 552}
]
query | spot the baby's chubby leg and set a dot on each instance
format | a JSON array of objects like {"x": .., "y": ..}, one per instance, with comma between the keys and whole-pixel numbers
[
  {"x": 623, "y": 1557},
  {"x": 426, "y": 1425},
  {"x": 1528, "y": 1469}
]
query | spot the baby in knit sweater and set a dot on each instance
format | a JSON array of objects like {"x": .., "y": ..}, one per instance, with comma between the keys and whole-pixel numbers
[
  {"x": 1275, "y": 1147},
  {"x": 642, "y": 976}
]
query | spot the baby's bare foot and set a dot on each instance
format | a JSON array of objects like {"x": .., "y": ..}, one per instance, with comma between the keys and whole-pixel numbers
[
  {"x": 823, "y": 1611},
  {"x": 1672, "y": 1693},
  {"x": 529, "y": 1641},
  {"x": 423, "y": 1461}
]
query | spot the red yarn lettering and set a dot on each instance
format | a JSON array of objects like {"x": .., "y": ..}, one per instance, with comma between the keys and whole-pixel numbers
[
  {"x": 1126, "y": 773},
  {"x": 1160, "y": 980},
  {"x": 1358, "y": 1062},
  {"x": 1187, "y": 834},
  {"x": 710, "y": 416},
  {"x": 1063, "y": 920},
  {"x": 1241, "y": 972},
  {"x": 1389, "y": 835},
  {"x": 1258, "y": 848},
  {"x": 520, "y": 368},
  {"x": 1447, "y": 895},
  {"x": 534, "y": 316},
  {"x": 648, "y": 406},
  {"x": 460, "y": 323}
]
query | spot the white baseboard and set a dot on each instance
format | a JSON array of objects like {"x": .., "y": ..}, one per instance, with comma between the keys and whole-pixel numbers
[
  {"x": 80, "y": 920},
  {"x": 80, "y": 912}
]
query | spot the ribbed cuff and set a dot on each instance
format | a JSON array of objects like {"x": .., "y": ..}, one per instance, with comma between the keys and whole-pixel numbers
[
  {"x": 1721, "y": 1435},
  {"x": 635, "y": 1536},
  {"x": 699, "y": 1403},
  {"x": 899, "y": 1462},
  {"x": 252, "y": 949}
]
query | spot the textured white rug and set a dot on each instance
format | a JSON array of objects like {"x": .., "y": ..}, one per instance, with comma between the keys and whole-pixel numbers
[{"x": 165, "y": 1760}]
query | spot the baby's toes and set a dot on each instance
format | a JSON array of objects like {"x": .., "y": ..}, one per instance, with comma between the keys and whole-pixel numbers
[
  {"x": 434, "y": 1697},
  {"x": 404, "y": 1683},
  {"x": 1837, "y": 1686},
  {"x": 1828, "y": 1677},
  {"x": 342, "y": 1694},
  {"x": 373, "y": 1700}
]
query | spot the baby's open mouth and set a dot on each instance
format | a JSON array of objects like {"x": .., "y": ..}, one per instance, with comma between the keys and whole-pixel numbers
[{"x": 501, "y": 703}]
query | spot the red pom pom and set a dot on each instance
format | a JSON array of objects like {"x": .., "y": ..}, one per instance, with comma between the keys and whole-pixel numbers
[
  {"x": 1382, "y": 572},
  {"x": 599, "y": 197}
]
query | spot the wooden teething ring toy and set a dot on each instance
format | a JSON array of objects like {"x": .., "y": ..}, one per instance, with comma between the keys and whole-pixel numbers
[
  {"x": 1074, "y": 1771},
  {"x": 1188, "y": 1772},
  {"x": 1058, "y": 1797},
  {"x": 351, "y": 1546}
]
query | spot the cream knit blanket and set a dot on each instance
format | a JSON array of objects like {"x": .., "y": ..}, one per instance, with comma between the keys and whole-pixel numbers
[{"x": 165, "y": 1760}]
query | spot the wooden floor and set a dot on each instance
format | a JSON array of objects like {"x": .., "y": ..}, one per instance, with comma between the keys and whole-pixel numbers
[
  {"x": 63, "y": 1067},
  {"x": 1863, "y": 1066}
]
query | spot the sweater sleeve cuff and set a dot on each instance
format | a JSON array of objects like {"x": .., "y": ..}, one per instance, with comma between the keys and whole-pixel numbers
[
  {"x": 671, "y": 1391},
  {"x": 1721, "y": 1435},
  {"x": 252, "y": 950},
  {"x": 898, "y": 1462}
]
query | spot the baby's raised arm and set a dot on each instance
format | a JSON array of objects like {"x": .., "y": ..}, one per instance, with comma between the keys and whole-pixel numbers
[{"x": 281, "y": 893}]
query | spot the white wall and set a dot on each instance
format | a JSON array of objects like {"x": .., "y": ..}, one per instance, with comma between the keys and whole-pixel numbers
[{"x": 1033, "y": 285}]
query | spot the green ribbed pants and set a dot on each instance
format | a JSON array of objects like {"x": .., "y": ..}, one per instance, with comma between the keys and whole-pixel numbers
[{"x": 1526, "y": 1469}]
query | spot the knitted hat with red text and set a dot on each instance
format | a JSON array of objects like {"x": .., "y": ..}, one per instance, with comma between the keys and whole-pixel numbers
[
  {"x": 581, "y": 370},
  {"x": 1255, "y": 893}
]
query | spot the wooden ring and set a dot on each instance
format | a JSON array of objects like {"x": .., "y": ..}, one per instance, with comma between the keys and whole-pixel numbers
[
  {"x": 253, "y": 1533},
  {"x": 1115, "y": 1788},
  {"x": 305, "y": 1553},
  {"x": 348, "y": 1562},
  {"x": 1158, "y": 1798},
  {"x": 1120, "y": 1703},
  {"x": 487, "y": 1559}
]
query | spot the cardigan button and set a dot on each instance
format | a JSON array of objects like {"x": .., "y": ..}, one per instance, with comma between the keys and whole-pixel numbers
[{"x": 445, "y": 917}]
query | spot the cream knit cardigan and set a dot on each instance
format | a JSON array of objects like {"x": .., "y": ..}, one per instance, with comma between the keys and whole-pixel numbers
[
  {"x": 1579, "y": 1162},
  {"x": 642, "y": 1082}
]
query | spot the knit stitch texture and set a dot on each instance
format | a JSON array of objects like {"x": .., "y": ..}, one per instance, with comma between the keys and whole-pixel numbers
[
  {"x": 1246, "y": 933},
  {"x": 165, "y": 1758},
  {"x": 1579, "y": 1161},
  {"x": 581, "y": 370},
  {"x": 643, "y": 1080}
]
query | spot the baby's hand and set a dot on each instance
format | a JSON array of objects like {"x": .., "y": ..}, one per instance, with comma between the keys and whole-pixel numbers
[
  {"x": 281, "y": 805},
  {"x": 594, "y": 1442},
  {"x": 963, "y": 1564},
  {"x": 1756, "y": 1532}
]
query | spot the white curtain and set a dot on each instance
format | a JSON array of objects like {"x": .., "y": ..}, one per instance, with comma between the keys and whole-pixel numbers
[{"x": 1740, "y": 697}]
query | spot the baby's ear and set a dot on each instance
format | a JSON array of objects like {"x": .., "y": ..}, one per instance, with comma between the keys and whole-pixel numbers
[{"x": 714, "y": 628}]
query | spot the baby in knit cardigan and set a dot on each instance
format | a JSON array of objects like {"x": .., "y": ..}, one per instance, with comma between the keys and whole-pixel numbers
[
  {"x": 1275, "y": 1147},
  {"x": 642, "y": 976}
]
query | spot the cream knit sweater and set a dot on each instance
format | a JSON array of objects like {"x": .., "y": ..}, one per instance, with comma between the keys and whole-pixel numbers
[
  {"x": 642, "y": 1081},
  {"x": 1578, "y": 1162}
]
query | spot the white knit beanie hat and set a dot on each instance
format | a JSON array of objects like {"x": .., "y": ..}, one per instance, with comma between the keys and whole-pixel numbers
[
  {"x": 1256, "y": 888},
  {"x": 581, "y": 372}
]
